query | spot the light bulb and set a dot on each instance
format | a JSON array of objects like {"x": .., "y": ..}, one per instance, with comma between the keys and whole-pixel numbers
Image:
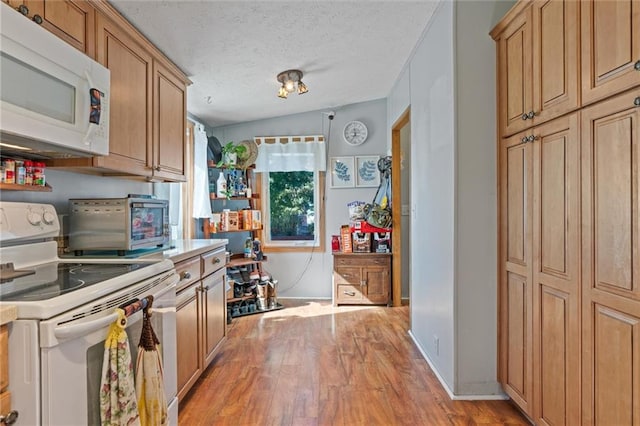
[
  {"x": 282, "y": 93},
  {"x": 289, "y": 85}
]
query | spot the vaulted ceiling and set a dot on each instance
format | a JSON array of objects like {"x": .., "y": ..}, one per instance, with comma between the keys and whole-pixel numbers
[{"x": 349, "y": 51}]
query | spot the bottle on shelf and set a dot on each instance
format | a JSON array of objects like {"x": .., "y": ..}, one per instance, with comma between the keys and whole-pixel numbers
[
  {"x": 221, "y": 186},
  {"x": 248, "y": 247}
]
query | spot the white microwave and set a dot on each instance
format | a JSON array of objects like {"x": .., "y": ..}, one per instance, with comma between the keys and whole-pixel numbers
[{"x": 54, "y": 100}]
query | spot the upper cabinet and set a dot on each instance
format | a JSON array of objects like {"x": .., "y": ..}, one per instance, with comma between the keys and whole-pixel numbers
[
  {"x": 610, "y": 47},
  {"x": 71, "y": 20},
  {"x": 148, "y": 112},
  {"x": 537, "y": 63}
]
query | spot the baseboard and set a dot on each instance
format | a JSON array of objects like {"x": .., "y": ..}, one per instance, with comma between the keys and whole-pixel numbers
[
  {"x": 453, "y": 396},
  {"x": 303, "y": 298}
]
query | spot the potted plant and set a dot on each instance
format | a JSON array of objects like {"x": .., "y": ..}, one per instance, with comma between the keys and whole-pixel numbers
[{"x": 230, "y": 155}]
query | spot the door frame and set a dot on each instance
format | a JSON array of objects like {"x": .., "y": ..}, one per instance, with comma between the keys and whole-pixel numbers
[{"x": 396, "y": 206}]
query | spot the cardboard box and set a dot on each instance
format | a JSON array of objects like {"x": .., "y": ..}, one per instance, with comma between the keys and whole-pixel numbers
[
  {"x": 256, "y": 219},
  {"x": 345, "y": 236},
  {"x": 247, "y": 219},
  {"x": 361, "y": 242},
  {"x": 362, "y": 226},
  {"x": 381, "y": 242},
  {"x": 233, "y": 221}
]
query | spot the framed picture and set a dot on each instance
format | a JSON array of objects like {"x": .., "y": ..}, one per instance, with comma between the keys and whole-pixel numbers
[
  {"x": 367, "y": 173},
  {"x": 342, "y": 172}
]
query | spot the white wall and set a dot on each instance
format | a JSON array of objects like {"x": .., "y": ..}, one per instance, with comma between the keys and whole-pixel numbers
[
  {"x": 308, "y": 275},
  {"x": 453, "y": 257}
]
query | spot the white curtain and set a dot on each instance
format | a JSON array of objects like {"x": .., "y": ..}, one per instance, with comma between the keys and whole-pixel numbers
[
  {"x": 290, "y": 153},
  {"x": 201, "y": 202}
]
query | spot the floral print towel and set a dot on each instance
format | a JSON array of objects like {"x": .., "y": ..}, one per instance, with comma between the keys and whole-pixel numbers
[{"x": 117, "y": 388}]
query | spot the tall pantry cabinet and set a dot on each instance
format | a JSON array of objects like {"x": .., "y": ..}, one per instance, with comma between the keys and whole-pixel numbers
[{"x": 569, "y": 206}]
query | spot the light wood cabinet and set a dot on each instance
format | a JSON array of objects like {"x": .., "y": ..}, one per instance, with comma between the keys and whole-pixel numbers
[
  {"x": 200, "y": 315},
  {"x": 361, "y": 278},
  {"x": 71, "y": 20},
  {"x": 147, "y": 113},
  {"x": 569, "y": 197},
  {"x": 610, "y": 47},
  {"x": 611, "y": 260},
  {"x": 537, "y": 63}
]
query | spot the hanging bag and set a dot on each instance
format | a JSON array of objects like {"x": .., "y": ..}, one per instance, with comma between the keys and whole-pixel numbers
[{"x": 378, "y": 212}]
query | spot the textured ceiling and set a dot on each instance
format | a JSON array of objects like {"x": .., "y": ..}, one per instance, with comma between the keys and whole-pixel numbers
[{"x": 349, "y": 51}]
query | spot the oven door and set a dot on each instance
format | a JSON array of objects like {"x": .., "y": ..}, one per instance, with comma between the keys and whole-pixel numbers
[{"x": 72, "y": 352}]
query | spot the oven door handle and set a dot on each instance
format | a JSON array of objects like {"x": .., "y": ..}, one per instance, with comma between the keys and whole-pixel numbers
[{"x": 72, "y": 331}]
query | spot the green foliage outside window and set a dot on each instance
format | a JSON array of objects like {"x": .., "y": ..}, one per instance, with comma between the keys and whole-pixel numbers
[{"x": 291, "y": 196}]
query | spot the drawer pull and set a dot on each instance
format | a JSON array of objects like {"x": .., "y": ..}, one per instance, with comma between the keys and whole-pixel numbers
[
  {"x": 350, "y": 293},
  {"x": 216, "y": 260},
  {"x": 186, "y": 275}
]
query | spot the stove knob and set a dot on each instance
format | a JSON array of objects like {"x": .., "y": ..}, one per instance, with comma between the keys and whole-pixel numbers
[
  {"x": 34, "y": 218},
  {"x": 48, "y": 218}
]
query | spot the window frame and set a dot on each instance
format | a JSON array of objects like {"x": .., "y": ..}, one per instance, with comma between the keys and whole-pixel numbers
[{"x": 318, "y": 243}]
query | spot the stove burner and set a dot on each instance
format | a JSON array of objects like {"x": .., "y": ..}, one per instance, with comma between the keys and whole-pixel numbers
[{"x": 104, "y": 269}]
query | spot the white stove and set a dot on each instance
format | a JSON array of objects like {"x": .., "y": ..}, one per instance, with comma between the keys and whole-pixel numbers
[{"x": 65, "y": 307}]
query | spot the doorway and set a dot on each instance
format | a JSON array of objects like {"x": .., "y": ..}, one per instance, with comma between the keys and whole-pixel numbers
[{"x": 401, "y": 202}]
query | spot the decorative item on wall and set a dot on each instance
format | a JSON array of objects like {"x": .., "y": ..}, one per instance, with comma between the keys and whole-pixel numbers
[
  {"x": 342, "y": 172},
  {"x": 355, "y": 133},
  {"x": 367, "y": 173}
]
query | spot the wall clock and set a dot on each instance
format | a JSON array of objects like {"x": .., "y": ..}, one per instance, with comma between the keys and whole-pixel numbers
[{"x": 355, "y": 133}]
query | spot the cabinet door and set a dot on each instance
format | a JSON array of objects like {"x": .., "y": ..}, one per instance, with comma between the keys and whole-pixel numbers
[
  {"x": 610, "y": 47},
  {"x": 187, "y": 339},
  {"x": 170, "y": 124},
  {"x": 611, "y": 261},
  {"x": 214, "y": 314},
  {"x": 73, "y": 21},
  {"x": 556, "y": 85},
  {"x": 376, "y": 281},
  {"x": 516, "y": 292},
  {"x": 556, "y": 314},
  {"x": 131, "y": 95},
  {"x": 515, "y": 77}
]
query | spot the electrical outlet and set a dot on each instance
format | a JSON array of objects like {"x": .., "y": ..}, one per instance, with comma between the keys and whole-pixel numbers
[
  {"x": 406, "y": 210},
  {"x": 436, "y": 344}
]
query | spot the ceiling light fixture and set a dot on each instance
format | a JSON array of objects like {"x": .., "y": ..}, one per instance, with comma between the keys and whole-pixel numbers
[{"x": 291, "y": 79}]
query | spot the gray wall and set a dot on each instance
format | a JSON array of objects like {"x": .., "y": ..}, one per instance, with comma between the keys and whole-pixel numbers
[
  {"x": 449, "y": 82},
  {"x": 308, "y": 275}
]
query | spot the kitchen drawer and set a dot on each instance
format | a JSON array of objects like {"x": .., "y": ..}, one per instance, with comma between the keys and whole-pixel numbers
[
  {"x": 213, "y": 261},
  {"x": 189, "y": 272},
  {"x": 348, "y": 293},
  {"x": 347, "y": 275},
  {"x": 362, "y": 260}
]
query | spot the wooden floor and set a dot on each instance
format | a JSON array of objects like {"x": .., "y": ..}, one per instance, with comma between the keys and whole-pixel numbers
[{"x": 315, "y": 364}]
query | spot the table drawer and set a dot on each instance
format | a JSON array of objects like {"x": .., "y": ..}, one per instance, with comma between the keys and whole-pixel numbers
[
  {"x": 348, "y": 293},
  {"x": 213, "y": 261},
  {"x": 347, "y": 275},
  {"x": 362, "y": 260},
  {"x": 189, "y": 272}
]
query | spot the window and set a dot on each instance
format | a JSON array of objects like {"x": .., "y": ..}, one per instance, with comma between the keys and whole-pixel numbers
[
  {"x": 292, "y": 173},
  {"x": 291, "y": 209}
]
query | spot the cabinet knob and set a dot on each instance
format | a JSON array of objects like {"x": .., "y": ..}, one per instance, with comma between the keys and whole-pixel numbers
[
  {"x": 186, "y": 275},
  {"x": 636, "y": 66},
  {"x": 531, "y": 114},
  {"x": 205, "y": 288},
  {"x": 636, "y": 101},
  {"x": 157, "y": 168},
  {"x": 525, "y": 116},
  {"x": 37, "y": 19},
  {"x": 23, "y": 9},
  {"x": 532, "y": 138},
  {"x": 524, "y": 139},
  {"x": 10, "y": 418},
  {"x": 216, "y": 260}
]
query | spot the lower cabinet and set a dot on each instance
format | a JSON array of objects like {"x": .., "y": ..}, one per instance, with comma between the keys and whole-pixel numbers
[
  {"x": 200, "y": 315},
  {"x": 361, "y": 278}
]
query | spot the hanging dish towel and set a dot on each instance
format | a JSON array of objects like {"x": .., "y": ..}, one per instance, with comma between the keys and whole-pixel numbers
[
  {"x": 117, "y": 388},
  {"x": 152, "y": 401},
  {"x": 201, "y": 200}
]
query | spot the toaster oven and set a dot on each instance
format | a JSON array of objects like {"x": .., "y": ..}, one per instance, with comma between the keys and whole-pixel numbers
[{"x": 121, "y": 224}]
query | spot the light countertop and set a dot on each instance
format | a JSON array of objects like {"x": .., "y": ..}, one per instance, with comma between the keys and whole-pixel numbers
[
  {"x": 7, "y": 313},
  {"x": 184, "y": 249}
]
